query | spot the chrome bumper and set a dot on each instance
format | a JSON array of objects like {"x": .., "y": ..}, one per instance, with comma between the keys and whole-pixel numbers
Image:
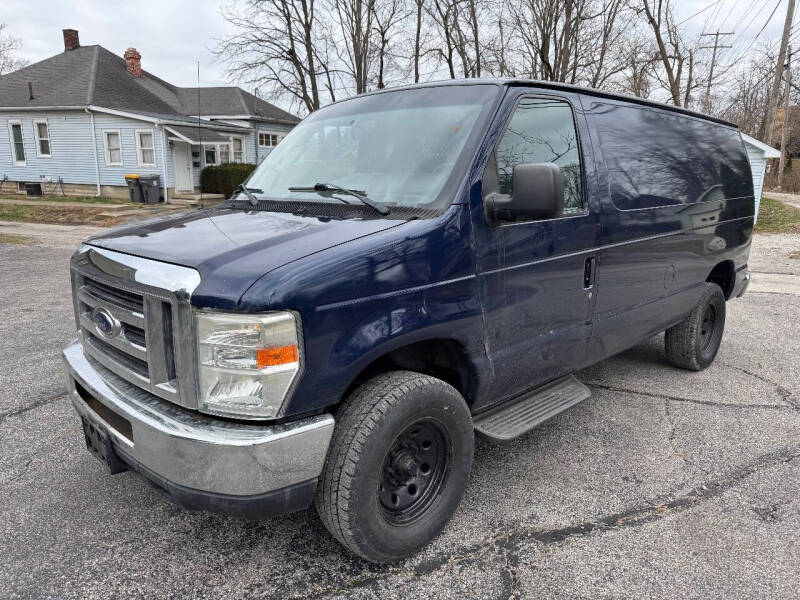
[{"x": 180, "y": 448}]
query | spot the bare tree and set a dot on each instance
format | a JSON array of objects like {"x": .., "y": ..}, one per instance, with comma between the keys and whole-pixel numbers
[
  {"x": 306, "y": 53},
  {"x": 418, "y": 12},
  {"x": 672, "y": 52},
  {"x": 355, "y": 18},
  {"x": 607, "y": 61},
  {"x": 550, "y": 42},
  {"x": 637, "y": 75},
  {"x": 276, "y": 45},
  {"x": 9, "y": 47},
  {"x": 388, "y": 15},
  {"x": 443, "y": 15}
]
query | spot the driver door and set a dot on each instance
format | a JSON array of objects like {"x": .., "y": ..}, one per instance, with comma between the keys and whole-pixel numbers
[{"x": 537, "y": 277}]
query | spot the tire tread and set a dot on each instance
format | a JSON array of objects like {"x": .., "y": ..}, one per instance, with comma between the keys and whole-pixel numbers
[
  {"x": 356, "y": 420},
  {"x": 680, "y": 341}
]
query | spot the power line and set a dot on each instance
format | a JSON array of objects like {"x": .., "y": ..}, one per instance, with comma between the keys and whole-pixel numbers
[
  {"x": 744, "y": 15},
  {"x": 730, "y": 13},
  {"x": 699, "y": 12},
  {"x": 709, "y": 22},
  {"x": 716, "y": 47},
  {"x": 760, "y": 31}
]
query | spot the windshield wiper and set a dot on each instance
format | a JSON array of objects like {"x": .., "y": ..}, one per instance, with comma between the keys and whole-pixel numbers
[
  {"x": 330, "y": 188},
  {"x": 249, "y": 193}
]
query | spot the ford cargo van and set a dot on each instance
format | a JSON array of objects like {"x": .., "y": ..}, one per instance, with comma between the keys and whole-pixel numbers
[{"x": 406, "y": 268}]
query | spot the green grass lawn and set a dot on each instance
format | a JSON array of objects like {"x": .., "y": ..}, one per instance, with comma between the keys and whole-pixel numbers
[
  {"x": 83, "y": 199},
  {"x": 12, "y": 213},
  {"x": 10, "y": 238},
  {"x": 776, "y": 217}
]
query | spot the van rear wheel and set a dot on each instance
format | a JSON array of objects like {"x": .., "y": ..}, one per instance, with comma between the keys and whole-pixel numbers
[
  {"x": 397, "y": 467},
  {"x": 693, "y": 343}
]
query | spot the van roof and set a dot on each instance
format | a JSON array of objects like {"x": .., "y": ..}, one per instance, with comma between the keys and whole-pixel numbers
[{"x": 555, "y": 85}]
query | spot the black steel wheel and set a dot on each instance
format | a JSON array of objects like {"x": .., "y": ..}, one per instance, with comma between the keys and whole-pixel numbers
[
  {"x": 414, "y": 471},
  {"x": 397, "y": 466},
  {"x": 693, "y": 343}
]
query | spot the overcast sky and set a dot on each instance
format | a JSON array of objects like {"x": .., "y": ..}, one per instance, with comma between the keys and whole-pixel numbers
[{"x": 172, "y": 35}]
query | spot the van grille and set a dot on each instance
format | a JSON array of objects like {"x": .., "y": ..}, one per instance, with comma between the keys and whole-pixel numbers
[
  {"x": 122, "y": 298},
  {"x": 147, "y": 344},
  {"x": 138, "y": 366}
]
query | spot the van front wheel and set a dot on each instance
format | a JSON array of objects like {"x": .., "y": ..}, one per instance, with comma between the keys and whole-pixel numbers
[
  {"x": 693, "y": 343},
  {"x": 397, "y": 467}
]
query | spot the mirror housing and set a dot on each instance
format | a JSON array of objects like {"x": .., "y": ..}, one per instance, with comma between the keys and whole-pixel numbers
[{"x": 538, "y": 194}]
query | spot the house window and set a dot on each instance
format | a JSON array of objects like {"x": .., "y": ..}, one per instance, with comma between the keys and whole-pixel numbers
[
  {"x": 111, "y": 140},
  {"x": 224, "y": 153},
  {"x": 211, "y": 155},
  {"x": 238, "y": 150},
  {"x": 42, "y": 134},
  {"x": 145, "y": 149},
  {"x": 17, "y": 144},
  {"x": 267, "y": 140},
  {"x": 217, "y": 154}
]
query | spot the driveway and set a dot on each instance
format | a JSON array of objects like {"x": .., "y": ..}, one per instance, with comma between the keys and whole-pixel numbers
[{"x": 665, "y": 483}]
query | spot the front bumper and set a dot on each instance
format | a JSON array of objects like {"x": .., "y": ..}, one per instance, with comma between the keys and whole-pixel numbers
[{"x": 246, "y": 470}]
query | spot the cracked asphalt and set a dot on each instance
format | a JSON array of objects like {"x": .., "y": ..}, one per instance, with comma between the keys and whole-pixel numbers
[{"x": 665, "y": 483}]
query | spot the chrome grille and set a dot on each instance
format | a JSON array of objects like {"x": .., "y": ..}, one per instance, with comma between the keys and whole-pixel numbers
[{"x": 150, "y": 339}]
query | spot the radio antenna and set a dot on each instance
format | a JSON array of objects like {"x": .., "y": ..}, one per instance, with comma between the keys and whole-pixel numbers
[{"x": 200, "y": 134}]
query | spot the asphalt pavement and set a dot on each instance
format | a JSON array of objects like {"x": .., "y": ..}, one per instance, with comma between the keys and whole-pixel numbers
[{"x": 664, "y": 484}]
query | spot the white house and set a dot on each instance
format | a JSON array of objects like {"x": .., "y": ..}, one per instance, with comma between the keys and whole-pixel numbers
[
  {"x": 758, "y": 153},
  {"x": 86, "y": 117}
]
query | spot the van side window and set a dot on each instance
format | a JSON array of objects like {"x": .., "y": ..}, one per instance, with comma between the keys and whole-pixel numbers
[
  {"x": 542, "y": 130},
  {"x": 656, "y": 158}
]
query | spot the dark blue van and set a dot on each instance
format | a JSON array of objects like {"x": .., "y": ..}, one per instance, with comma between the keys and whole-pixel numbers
[{"x": 406, "y": 268}]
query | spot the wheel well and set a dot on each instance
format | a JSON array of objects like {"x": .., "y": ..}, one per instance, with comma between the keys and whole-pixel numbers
[
  {"x": 724, "y": 275},
  {"x": 445, "y": 359}
]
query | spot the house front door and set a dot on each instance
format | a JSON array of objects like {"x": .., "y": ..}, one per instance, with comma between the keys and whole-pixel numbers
[{"x": 183, "y": 167}]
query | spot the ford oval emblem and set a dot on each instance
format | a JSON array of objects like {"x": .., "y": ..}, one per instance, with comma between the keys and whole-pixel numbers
[{"x": 105, "y": 323}]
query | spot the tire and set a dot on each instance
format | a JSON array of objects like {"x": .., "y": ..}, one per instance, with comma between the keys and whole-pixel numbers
[
  {"x": 397, "y": 467},
  {"x": 693, "y": 343}
]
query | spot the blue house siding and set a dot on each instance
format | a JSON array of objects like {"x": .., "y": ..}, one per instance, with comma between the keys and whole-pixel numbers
[
  {"x": 262, "y": 152},
  {"x": 72, "y": 157},
  {"x": 114, "y": 175}
]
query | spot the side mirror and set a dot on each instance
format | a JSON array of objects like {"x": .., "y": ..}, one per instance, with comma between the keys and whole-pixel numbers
[{"x": 538, "y": 194}]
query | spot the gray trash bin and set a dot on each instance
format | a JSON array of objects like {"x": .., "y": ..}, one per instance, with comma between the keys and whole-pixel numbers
[
  {"x": 134, "y": 188},
  {"x": 151, "y": 188}
]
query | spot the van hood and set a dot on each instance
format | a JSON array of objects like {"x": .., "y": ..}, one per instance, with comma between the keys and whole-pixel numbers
[{"x": 233, "y": 248}]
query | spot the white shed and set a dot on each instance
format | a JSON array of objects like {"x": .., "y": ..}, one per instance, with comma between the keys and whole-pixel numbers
[{"x": 758, "y": 153}]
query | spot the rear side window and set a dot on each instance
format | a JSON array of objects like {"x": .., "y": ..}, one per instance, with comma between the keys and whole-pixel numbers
[
  {"x": 655, "y": 158},
  {"x": 542, "y": 130}
]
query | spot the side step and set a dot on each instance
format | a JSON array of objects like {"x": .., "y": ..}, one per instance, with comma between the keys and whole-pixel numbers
[{"x": 515, "y": 417}]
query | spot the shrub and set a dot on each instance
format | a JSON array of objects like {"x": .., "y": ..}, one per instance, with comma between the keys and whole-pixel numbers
[
  {"x": 791, "y": 182},
  {"x": 224, "y": 178}
]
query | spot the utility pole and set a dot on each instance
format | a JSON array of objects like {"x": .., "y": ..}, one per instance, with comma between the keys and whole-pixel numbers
[
  {"x": 785, "y": 128},
  {"x": 766, "y": 126},
  {"x": 716, "y": 46}
]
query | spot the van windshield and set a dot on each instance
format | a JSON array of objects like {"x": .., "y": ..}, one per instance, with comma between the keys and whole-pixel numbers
[{"x": 404, "y": 148}]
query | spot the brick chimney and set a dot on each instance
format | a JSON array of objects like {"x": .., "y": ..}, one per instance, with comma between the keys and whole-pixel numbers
[
  {"x": 133, "y": 60},
  {"x": 71, "y": 40}
]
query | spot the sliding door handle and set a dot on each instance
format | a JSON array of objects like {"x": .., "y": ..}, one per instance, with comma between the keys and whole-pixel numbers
[{"x": 589, "y": 271}]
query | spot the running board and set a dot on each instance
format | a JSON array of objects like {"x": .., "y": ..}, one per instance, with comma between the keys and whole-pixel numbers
[{"x": 515, "y": 417}]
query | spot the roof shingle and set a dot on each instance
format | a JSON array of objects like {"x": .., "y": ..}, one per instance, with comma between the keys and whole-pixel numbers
[{"x": 92, "y": 75}]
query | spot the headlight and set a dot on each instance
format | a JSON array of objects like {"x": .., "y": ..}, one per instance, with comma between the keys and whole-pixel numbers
[{"x": 247, "y": 362}]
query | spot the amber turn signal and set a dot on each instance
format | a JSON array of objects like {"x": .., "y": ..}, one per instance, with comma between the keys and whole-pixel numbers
[{"x": 272, "y": 357}]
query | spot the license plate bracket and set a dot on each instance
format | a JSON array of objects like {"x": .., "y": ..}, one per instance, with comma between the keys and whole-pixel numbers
[{"x": 98, "y": 442}]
